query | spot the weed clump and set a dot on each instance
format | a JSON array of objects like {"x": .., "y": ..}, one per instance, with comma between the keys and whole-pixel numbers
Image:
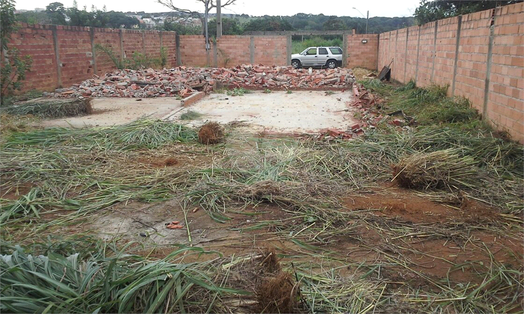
[{"x": 190, "y": 115}]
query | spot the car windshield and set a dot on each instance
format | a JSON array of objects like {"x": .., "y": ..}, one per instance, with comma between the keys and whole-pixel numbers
[{"x": 336, "y": 50}]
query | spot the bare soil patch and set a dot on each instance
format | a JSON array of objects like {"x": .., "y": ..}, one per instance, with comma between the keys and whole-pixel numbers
[
  {"x": 116, "y": 111},
  {"x": 277, "y": 111}
]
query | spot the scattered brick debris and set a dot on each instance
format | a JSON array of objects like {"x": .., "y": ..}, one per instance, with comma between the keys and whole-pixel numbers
[{"x": 185, "y": 81}]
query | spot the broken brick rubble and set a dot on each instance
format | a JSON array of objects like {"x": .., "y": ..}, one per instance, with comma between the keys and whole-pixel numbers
[{"x": 184, "y": 81}]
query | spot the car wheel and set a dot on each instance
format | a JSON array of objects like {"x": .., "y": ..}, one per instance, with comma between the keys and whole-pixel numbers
[
  {"x": 331, "y": 64},
  {"x": 296, "y": 64}
]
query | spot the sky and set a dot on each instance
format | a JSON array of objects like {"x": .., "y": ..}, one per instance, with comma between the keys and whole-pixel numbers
[{"x": 387, "y": 8}]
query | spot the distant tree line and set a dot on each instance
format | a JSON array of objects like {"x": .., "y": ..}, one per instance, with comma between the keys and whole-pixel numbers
[
  {"x": 432, "y": 10},
  {"x": 55, "y": 13},
  {"x": 428, "y": 10},
  {"x": 300, "y": 22}
]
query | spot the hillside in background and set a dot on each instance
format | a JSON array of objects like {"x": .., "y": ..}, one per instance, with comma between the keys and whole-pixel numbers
[{"x": 234, "y": 24}]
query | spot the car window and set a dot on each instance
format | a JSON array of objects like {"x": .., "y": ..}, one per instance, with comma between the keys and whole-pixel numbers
[
  {"x": 336, "y": 50},
  {"x": 322, "y": 51},
  {"x": 312, "y": 51}
]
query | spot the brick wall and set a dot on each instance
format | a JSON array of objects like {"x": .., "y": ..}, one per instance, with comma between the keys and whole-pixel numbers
[
  {"x": 66, "y": 55},
  {"x": 232, "y": 50},
  {"x": 109, "y": 39},
  {"x": 37, "y": 42},
  {"x": 505, "y": 103},
  {"x": 410, "y": 67},
  {"x": 472, "y": 58},
  {"x": 362, "y": 55},
  {"x": 75, "y": 53},
  {"x": 193, "y": 51},
  {"x": 480, "y": 56},
  {"x": 270, "y": 50},
  {"x": 169, "y": 43}
]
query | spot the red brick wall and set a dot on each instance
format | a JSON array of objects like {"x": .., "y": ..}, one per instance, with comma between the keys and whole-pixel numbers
[
  {"x": 169, "y": 44},
  {"x": 360, "y": 54},
  {"x": 492, "y": 80},
  {"x": 132, "y": 42},
  {"x": 384, "y": 51},
  {"x": 445, "y": 53},
  {"x": 37, "y": 42},
  {"x": 75, "y": 51},
  {"x": 412, "y": 52},
  {"x": 233, "y": 50},
  {"x": 75, "y": 47},
  {"x": 425, "y": 56},
  {"x": 506, "y": 97},
  {"x": 270, "y": 50},
  {"x": 473, "y": 57},
  {"x": 110, "y": 39},
  {"x": 193, "y": 51}
]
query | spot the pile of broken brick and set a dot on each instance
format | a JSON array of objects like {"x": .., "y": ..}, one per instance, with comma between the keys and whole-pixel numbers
[{"x": 184, "y": 81}]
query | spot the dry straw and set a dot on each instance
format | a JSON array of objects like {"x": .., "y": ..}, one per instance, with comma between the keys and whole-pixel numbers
[{"x": 442, "y": 169}]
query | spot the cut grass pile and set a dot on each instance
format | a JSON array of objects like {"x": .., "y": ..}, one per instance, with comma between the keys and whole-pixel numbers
[
  {"x": 51, "y": 108},
  {"x": 55, "y": 177},
  {"x": 442, "y": 169}
]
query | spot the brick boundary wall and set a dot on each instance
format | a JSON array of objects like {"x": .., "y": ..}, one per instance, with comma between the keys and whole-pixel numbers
[
  {"x": 480, "y": 56},
  {"x": 270, "y": 48},
  {"x": 362, "y": 51},
  {"x": 67, "y": 55},
  {"x": 233, "y": 50}
]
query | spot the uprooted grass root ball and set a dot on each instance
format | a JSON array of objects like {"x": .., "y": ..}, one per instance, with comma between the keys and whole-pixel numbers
[
  {"x": 442, "y": 169},
  {"x": 278, "y": 294},
  {"x": 211, "y": 133}
]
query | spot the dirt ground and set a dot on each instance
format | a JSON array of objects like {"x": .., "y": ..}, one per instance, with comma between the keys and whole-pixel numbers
[
  {"x": 435, "y": 243},
  {"x": 275, "y": 112},
  {"x": 278, "y": 111},
  {"x": 412, "y": 240},
  {"x": 116, "y": 111}
]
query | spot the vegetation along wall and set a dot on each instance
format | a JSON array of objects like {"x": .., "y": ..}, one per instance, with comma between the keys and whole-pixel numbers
[{"x": 480, "y": 56}]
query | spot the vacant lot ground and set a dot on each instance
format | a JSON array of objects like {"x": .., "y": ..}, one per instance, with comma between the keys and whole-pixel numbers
[{"x": 422, "y": 213}]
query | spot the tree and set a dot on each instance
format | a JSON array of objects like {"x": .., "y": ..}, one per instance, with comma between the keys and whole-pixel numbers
[
  {"x": 118, "y": 19},
  {"x": 268, "y": 24},
  {"x": 334, "y": 24},
  {"x": 56, "y": 13},
  {"x": 79, "y": 17},
  {"x": 32, "y": 17},
  {"x": 429, "y": 11},
  {"x": 229, "y": 27},
  {"x": 208, "y": 5},
  {"x": 13, "y": 66}
]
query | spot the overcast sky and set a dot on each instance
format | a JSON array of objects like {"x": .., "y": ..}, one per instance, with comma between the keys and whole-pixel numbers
[{"x": 388, "y": 8}]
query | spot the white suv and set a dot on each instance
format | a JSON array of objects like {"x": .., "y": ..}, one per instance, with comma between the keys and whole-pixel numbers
[{"x": 329, "y": 57}]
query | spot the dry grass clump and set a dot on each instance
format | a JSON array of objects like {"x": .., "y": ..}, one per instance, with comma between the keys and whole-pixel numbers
[
  {"x": 211, "y": 133},
  {"x": 362, "y": 74},
  {"x": 52, "y": 108},
  {"x": 442, "y": 169}
]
